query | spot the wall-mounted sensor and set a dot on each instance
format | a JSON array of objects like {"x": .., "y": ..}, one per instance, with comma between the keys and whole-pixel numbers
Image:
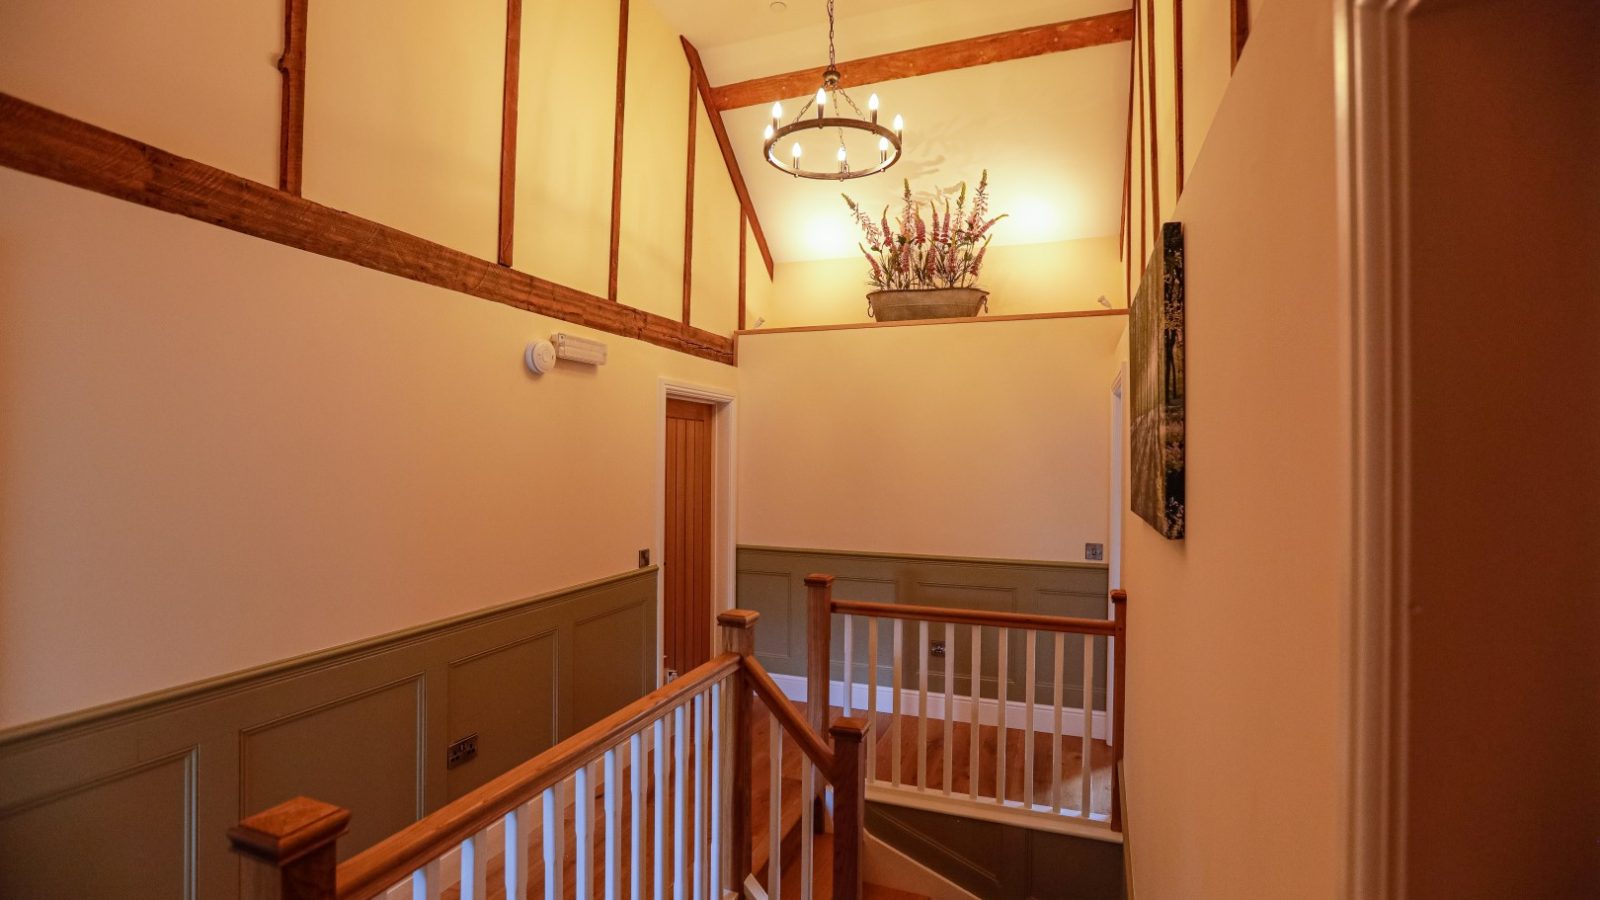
[
  {"x": 579, "y": 350},
  {"x": 540, "y": 357}
]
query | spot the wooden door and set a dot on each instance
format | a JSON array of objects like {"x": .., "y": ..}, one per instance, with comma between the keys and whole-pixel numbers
[{"x": 686, "y": 562}]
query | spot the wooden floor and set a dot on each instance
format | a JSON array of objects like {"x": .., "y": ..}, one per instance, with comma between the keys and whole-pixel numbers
[{"x": 790, "y": 800}]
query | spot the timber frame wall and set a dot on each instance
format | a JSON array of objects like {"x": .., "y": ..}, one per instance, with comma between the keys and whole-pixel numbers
[{"x": 42, "y": 142}]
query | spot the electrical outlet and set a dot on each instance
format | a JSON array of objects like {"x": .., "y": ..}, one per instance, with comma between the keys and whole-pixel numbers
[
  {"x": 936, "y": 648},
  {"x": 462, "y": 751},
  {"x": 1094, "y": 551},
  {"x": 644, "y": 559}
]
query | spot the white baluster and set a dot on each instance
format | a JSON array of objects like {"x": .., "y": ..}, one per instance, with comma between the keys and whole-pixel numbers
[
  {"x": 680, "y": 821},
  {"x": 922, "y": 705},
  {"x": 718, "y": 729},
  {"x": 425, "y": 881},
  {"x": 774, "y": 808},
  {"x": 1055, "y": 742},
  {"x": 849, "y": 665},
  {"x": 872, "y": 697},
  {"x": 894, "y": 699},
  {"x": 699, "y": 817},
  {"x": 975, "y": 718},
  {"x": 583, "y": 832},
  {"x": 519, "y": 831},
  {"x": 660, "y": 788},
  {"x": 1087, "y": 801},
  {"x": 555, "y": 851},
  {"x": 1031, "y": 637},
  {"x": 949, "y": 702},
  {"x": 613, "y": 788},
  {"x": 636, "y": 816},
  {"x": 475, "y": 867},
  {"x": 1002, "y": 675}
]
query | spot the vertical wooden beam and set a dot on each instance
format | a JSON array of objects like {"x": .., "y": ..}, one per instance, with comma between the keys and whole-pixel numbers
[
  {"x": 1119, "y": 683},
  {"x": 508, "y": 129},
  {"x": 290, "y": 852},
  {"x": 1177, "y": 87},
  {"x": 819, "y": 643},
  {"x": 688, "y": 199},
  {"x": 1155, "y": 116},
  {"x": 291, "y": 132},
  {"x": 742, "y": 278},
  {"x": 616, "y": 148},
  {"x": 1144, "y": 156},
  {"x": 849, "y": 807},
  {"x": 1238, "y": 30},
  {"x": 738, "y": 636}
]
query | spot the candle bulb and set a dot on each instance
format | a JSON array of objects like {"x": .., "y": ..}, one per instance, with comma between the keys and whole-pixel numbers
[
  {"x": 822, "y": 99},
  {"x": 844, "y": 163},
  {"x": 767, "y": 135},
  {"x": 899, "y": 124},
  {"x": 795, "y": 153},
  {"x": 777, "y": 114},
  {"x": 872, "y": 107},
  {"x": 883, "y": 149}
]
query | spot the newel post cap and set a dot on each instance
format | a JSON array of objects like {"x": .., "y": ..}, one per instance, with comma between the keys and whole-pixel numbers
[
  {"x": 817, "y": 580},
  {"x": 290, "y": 830},
  {"x": 738, "y": 618},
  {"x": 849, "y": 728}
]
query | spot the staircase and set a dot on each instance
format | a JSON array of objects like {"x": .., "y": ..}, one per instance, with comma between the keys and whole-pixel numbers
[{"x": 712, "y": 787}]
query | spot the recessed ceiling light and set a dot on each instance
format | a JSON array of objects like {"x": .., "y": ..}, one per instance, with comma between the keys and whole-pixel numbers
[{"x": 777, "y": 6}]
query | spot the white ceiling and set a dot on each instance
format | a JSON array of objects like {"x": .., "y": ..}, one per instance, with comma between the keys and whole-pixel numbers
[{"x": 1050, "y": 129}]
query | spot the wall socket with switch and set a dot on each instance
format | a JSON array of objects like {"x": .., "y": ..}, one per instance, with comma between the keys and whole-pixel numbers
[
  {"x": 1094, "y": 551},
  {"x": 644, "y": 559}
]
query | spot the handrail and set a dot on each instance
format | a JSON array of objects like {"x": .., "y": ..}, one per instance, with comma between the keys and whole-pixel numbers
[
  {"x": 371, "y": 872},
  {"x": 789, "y": 718},
  {"x": 1067, "y": 624}
]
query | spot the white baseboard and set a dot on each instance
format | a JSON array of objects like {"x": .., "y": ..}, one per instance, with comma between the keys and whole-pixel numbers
[{"x": 1044, "y": 713}]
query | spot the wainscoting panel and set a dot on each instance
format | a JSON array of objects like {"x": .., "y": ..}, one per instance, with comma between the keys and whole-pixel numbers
[
  {"x": 134, "y": 800},
  {"x": 771, "y": 581}
]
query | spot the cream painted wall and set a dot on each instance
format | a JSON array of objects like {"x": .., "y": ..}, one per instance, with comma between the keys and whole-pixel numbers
[
  {"x": 1022, "y": 278},
  {"x": 985, "y": 440},
  {"x": 655, "y": 156},
  {"x": 714, "y": 298},
  {"x": 123, "y": 66},
  {"x": 1235, "y": 741},
  {"x": 219, "y": 452},
  {"x": 403, "y": 115},
  {"x": 758, "y": 287},
  {"x": 568, "y": 75}
]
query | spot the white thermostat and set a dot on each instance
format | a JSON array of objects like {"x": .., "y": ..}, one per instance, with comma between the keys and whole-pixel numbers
[{"x": 540, "y": 357}]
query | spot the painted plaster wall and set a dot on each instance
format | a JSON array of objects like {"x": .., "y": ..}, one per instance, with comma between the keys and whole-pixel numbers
[
  {"x": 217, "y": 452},
  {"x": 981, "y": 440},
  {"x": 1021, "y": 278},
  {"x": 1235, "y": 740}
]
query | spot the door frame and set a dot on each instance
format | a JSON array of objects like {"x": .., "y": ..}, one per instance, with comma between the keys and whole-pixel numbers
[{"x": 724, "y": 536}]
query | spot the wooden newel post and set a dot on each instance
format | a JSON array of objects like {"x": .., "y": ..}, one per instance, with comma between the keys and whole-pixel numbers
[
  {"x": 1119, "y": 617},
  {"x": 849, "y": 805},
  {"x": 290, "y": 851},
  {"x": 739, "y": 636},
  {"x": 819, "y": 647}
]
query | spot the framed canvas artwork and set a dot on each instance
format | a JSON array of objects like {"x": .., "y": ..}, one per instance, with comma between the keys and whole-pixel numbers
[{"x": 1156, "y": 351}]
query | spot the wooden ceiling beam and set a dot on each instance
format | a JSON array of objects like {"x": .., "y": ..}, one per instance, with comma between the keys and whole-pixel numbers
[
  {"x": 1091, "y": 31},
  {"x": 697, "y": 72}
]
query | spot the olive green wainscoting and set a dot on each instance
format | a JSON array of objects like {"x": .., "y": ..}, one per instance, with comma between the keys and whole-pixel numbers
[{"x": 133, "y": 800}]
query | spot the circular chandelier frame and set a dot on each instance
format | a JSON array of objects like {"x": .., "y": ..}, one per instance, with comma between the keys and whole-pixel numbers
[{"x": 844, "y": 173}]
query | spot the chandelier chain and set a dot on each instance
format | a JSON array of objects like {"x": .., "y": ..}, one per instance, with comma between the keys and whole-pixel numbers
[{"x": 831, "y": 59}]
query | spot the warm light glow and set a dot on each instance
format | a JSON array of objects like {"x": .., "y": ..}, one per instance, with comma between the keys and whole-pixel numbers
[
  {"x": 899, "y": 123},
  {"x": 767, "y": 135},
  {"x": 795, "y": 151},
  {"x": 883, "y": 145},
  {"x": 822, "y": 97},
  {"x": 777, "y": 111},
  {"x": 872, "y": 103},
  {"x": 841, "y": 154}
]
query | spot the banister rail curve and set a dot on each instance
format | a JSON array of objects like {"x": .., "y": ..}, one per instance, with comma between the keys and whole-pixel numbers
[
  {"x": 372, "y": 871},
  {"x": 1035, "y": 622}
]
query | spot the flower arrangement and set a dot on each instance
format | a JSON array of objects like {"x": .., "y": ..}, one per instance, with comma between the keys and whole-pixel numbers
[{"x": 943, "y": 251}]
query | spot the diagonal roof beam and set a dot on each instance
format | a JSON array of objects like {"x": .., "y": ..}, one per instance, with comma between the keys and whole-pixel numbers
[
  {"x": 697, "y": 72},
  {"x": 1092, "y": 31}
]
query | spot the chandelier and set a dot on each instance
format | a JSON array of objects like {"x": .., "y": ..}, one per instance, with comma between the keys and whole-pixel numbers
[{"x": 829, "y": 94}]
